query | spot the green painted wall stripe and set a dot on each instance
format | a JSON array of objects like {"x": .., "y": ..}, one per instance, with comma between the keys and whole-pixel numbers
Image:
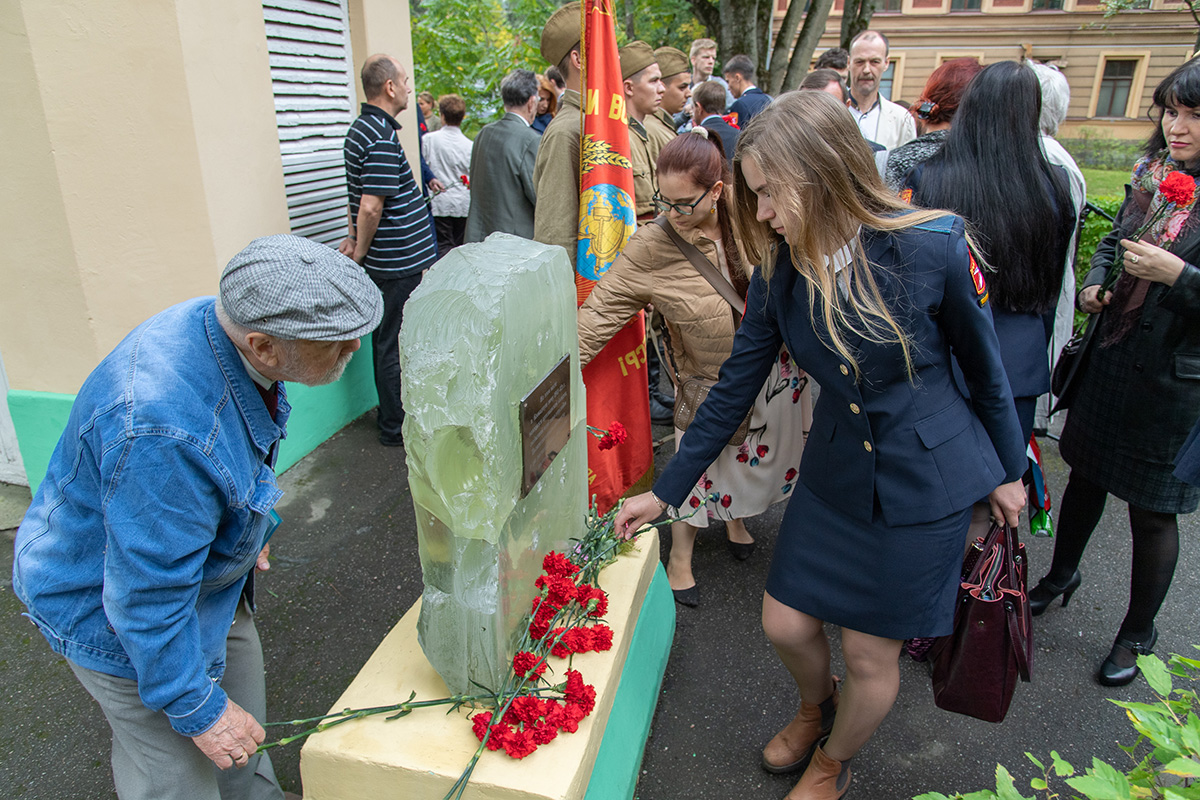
[
  {"x": 317, "y": 413},
  {"x": 619, "y": 762}
]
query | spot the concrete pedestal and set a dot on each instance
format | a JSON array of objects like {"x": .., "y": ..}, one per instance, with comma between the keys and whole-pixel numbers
[{"x": 419, "y": 756}]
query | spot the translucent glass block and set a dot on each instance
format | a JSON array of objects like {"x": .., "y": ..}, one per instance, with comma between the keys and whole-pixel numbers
[{"x": 486, "y": 326}]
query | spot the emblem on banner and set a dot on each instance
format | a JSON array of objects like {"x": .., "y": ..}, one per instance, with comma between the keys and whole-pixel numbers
[{"x": 607, "y": 218}]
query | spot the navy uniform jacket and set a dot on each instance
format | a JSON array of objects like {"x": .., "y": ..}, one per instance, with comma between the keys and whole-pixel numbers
[
  {"x": 752, "y": 101},
  {"x": 728, "y": 133},
  {"x": 917, "y": 446}
]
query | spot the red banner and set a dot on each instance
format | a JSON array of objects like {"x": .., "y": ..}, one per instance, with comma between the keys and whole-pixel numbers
[{"x": 616, "y": 377}]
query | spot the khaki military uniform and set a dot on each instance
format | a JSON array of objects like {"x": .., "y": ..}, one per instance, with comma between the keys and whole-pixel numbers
[
  {"x": 645, "y": 169},
  {"x": 556, "y": 178}
]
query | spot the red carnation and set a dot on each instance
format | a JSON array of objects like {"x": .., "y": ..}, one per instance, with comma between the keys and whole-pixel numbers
[
  {"x": 556, "y": 564},
  {"x": 480, "y": 722},
  {"x": 616, "y": 435},
  {"x": 525, "y": 665},
  {"x": 544, "y": 733},
  {"x": 579, "y": 693},
  {"x": 556, "y": 713},
  {"x": 543, "y": 615},
  {"x": 561, "y": 645},
  {"x": 526, "y": 708},
  {"x": 571, "y": 716},
  {"x": 465, "y": 181},
  {"x": 519, "y": 744},
  {"x": 1178, "y": 188},
  {"x": 602, "y": 638},
  {"x": 594, "y": 602},
  {"x": 500, "y": 733}
]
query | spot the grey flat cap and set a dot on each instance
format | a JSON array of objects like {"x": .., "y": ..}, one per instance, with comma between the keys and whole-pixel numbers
[{"x": 294, "y": 288}]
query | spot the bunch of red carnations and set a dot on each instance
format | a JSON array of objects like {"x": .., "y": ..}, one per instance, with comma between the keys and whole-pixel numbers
[{"x": 537, "y": 711}]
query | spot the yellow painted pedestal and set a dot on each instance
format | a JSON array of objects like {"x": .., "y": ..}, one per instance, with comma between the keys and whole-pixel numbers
[{"x": 418, "y": 757}]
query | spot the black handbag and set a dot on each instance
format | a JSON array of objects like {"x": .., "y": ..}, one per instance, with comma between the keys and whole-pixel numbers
[
  {"x": 1071, "y": 364},
  {"x": 976, "y": 668}
]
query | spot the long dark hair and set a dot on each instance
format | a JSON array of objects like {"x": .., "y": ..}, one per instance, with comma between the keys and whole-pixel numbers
[
  {"x": 701, "y": 157},
  {"x": 992, "y": 172},
  {"x": 1181, "y": 87}
]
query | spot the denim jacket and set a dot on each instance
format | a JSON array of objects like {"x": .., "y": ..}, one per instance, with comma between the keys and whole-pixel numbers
[{"x": 133, "y": 555}]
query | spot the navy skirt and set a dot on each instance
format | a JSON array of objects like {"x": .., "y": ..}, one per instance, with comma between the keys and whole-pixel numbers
[{"x": 895, "y": 581}]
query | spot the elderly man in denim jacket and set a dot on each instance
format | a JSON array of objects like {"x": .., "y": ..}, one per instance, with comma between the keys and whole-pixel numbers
[{"x": 134, "y": 557}]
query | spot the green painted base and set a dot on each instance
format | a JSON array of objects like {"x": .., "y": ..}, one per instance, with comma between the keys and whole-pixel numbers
[
  {"x": 318, "y": 412},
  {"x": 619, "y": 760}
]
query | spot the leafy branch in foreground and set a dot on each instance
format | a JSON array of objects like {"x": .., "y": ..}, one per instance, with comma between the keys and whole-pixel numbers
[{"x": 1168, "y": 737}]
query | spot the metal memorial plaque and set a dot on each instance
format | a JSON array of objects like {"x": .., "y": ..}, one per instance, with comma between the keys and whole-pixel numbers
[{"x": 545, "y": 422}]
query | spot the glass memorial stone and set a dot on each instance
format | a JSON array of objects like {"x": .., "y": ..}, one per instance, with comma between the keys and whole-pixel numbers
[{"x": 495, "y": 440}]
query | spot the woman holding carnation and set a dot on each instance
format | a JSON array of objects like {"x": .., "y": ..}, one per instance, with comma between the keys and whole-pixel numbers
[
  {"x": 694, "y": 200},
  {"x": 1138, "y": 390},
  {"x": 869, "y": 295}
]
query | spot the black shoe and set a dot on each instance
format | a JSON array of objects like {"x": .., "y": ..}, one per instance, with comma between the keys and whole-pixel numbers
[
  {"x": 1042, "y": 595},
  {"x": 660, "y": 414},
  {"x": 689, "y": 597},
  {"x": 740, "y": 550},
  {"x": 665, "y": 400},
  {"x": 391, "y": 441},
  {"x": 1111, "y": 673}
]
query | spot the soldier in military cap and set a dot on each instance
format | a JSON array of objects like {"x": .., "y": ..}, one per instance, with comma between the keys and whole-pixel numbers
[
  {"x": 677, "y": 90},
  {"x": 643, "y": 96},
  {"x": 556, "y": 174}
]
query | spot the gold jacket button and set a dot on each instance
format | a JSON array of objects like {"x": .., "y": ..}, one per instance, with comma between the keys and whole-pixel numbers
[
  {"x": 854, "y": 407},
  {"x": 845, "y": 370},
  {"x": 867, "y": 446}
]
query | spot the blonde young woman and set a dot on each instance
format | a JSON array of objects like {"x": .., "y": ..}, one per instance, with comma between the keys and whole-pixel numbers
[
  {"x": 871, "y": 297},
  {"x": 694, "y": 197}
]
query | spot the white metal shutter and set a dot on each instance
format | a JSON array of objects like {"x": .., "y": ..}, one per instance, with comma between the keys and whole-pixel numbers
[{"x": 312, "y": 76}]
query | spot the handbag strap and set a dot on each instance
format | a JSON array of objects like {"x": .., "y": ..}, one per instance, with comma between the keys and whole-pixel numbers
[
  {"x": 705, "y": 268},
  {"x": 1014, "y": 608}
]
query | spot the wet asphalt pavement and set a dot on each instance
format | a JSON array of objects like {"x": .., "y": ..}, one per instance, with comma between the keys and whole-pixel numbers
[{"x": 345, "y": 569}]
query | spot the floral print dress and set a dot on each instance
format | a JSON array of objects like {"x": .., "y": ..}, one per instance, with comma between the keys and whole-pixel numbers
[{"x": 749, "y": 477}]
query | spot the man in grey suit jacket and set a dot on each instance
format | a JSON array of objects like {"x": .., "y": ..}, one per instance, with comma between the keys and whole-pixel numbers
[{"x": 502, "y": 188}]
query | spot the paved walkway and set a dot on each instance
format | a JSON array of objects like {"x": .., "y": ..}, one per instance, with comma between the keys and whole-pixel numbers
[{"x": 345, "y": 570}]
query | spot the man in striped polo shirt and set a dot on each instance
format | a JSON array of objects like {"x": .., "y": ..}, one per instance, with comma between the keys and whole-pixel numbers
[{"x": 389, "y": 224}]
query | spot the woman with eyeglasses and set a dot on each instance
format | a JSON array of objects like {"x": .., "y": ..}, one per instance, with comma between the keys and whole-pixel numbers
[
  {"x": 693, "y": 199},
  {"x": 870, "y": 296}
]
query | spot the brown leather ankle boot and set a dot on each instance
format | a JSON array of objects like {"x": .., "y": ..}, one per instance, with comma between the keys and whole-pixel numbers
[
  {"x": 793, "y": 746},
  {"x": 825, "y": 779}
]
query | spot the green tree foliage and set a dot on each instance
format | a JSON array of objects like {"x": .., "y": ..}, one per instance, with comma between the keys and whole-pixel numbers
[{"x": 468, "y": 46}]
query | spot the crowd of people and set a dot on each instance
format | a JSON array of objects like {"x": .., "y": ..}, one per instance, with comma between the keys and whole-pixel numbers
[{"x": 915, "y": 262}]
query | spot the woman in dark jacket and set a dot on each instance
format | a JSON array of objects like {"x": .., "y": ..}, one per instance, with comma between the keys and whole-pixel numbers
[
  {"x": 992, "y": 172},
  {"x": 870, "y": 296},
  {"x": 1139, "y": 393}
]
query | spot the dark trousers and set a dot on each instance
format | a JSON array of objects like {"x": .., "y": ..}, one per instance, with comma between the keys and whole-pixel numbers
[
  {"x": 450, "y": 233},
  {"x": 386, "y": 346}
]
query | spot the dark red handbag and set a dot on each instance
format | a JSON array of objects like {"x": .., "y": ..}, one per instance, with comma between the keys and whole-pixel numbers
[{"x": 975, "y": 669}]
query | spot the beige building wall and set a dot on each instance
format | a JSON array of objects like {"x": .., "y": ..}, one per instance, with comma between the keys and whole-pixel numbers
[
  {"x": 1077, "y": 38},
  {"x": 140, "y": 153}
]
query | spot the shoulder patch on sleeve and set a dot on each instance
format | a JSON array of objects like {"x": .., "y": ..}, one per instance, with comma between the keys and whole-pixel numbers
[
  {"x": 981, "y": 290},
  {"x": 942, "y": 224}
]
